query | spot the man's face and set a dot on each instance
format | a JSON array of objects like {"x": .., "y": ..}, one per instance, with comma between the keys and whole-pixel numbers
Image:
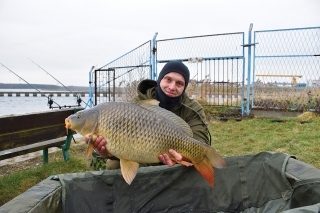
[{"x": 172, "y": 84}]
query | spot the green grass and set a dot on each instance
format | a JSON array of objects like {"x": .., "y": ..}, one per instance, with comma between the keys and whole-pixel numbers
[
  {"x": 251, "y": 136},
  {"x": 231, "y": 138},
  {"x": 14, "y": 184},
  {"x": 21, "y": 179}
]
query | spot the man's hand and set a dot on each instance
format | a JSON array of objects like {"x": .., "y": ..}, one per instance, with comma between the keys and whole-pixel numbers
[
  {"x": 165, "y": 159},
  {"x": 99, "y": 146}
]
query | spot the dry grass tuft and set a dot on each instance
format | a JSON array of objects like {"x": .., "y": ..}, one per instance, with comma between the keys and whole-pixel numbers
[{"x": 306, "y": 117}]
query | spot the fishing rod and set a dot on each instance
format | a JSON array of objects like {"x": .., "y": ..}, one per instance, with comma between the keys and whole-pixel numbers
[
  {"x": 50, "y": 100},
  {"x": 79, "y": 100}
]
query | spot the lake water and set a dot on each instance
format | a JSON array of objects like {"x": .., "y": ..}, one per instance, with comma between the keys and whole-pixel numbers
[{"x": 23, "y": 105}]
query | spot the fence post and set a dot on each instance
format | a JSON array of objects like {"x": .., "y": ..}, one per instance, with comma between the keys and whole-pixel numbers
[
  {"x": 45, "y": 156},
  {"x": 90, "y": 100},
  {"x": 153, "y": 71},
  {"x": 247, "y": 110}
]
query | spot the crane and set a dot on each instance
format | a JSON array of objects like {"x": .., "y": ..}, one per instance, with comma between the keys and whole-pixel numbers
[{"x": 293, "y": 81}]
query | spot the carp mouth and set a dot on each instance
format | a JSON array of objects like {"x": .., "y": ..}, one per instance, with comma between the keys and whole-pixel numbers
[{"x": 68, "y": 124}]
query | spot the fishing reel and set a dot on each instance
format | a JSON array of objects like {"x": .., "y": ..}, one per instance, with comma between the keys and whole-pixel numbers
[
  {"x": 50, "y": 102},
  {"x": 79, "y": 100}
]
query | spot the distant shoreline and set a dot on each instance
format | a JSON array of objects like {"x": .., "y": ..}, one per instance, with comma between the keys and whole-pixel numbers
[{"x": 43, "y": 87}]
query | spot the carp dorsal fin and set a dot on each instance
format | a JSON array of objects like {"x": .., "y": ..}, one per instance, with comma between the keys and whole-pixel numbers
[
  {"x": 153, "y": 106},
  {"x": 153, "y": 102}
]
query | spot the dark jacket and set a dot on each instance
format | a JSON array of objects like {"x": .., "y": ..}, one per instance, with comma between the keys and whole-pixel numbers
[{"x": 188, "y": 109}]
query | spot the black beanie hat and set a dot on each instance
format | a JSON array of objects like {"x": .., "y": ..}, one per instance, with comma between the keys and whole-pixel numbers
[
  {"x": 172, "y": 66},
  {"x": 175, "y": 66}
]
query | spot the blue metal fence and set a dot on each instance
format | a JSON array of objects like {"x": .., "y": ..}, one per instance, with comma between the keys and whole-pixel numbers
[
  {"x": 118, "y": 80},
  {"x": 216, "y": 64},
  {"x": 283, "y": 73},
  {"x": 287, "y": 69}
]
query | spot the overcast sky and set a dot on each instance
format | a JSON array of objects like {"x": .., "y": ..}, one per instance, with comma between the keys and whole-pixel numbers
[{"x": 67, "y": 38}]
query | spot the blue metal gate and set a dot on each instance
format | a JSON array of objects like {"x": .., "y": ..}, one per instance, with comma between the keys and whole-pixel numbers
[
  {"x": 283, "y": 73},
  {"x": 287, "y": 69},
  {"x": 216, "y": 64},
  {"x": 118, "y": 80}
]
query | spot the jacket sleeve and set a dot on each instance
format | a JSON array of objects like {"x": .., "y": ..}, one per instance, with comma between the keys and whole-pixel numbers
[
  {"x": 194, "y": 115},
  {"x": 199, "y": 128}
]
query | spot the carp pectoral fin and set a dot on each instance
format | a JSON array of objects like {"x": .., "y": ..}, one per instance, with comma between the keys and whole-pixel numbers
[
  {"x": 185, "y": 163},
  {"x": 92, "y": 138},
  {"x": 206, "y": 170},
  {"x": 89, "y": 150},
  {"x": 182, "y": 162},
  {"x": 129, "y": 170}
]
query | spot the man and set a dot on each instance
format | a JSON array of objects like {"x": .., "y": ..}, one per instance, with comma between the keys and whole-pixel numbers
[{"x": 169, "y": 90}]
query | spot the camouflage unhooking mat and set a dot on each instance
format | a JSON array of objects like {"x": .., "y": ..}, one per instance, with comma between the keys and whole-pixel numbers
[{"x": 265, "y": 182}]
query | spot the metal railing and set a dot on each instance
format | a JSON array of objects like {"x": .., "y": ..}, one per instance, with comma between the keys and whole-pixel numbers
[
  {"x": 118, "y": 80},
  {"x": 216, "y": 64},
  {"x": 283, "y": 73}
]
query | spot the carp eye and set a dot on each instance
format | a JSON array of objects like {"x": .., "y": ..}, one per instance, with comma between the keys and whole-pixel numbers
[{"x": 79, "y": 116}]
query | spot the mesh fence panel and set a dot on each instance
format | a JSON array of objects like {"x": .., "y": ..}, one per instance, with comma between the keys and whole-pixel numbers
[
  {"x": 207, "y": 46},
  {"x": 118, "y": 80},
  {"x": 286, "y": 66},
  {"x": 215, "y": 63}
]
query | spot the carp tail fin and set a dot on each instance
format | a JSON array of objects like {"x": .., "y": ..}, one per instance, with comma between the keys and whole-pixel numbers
[
  {"x": 206, "y": 170},
  {"x": 205, "y": 167},
  {"x": 215, "y": 159}
]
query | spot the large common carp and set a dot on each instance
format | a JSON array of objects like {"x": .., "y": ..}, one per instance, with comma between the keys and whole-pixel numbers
[{"x": 140, "y": 132}]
